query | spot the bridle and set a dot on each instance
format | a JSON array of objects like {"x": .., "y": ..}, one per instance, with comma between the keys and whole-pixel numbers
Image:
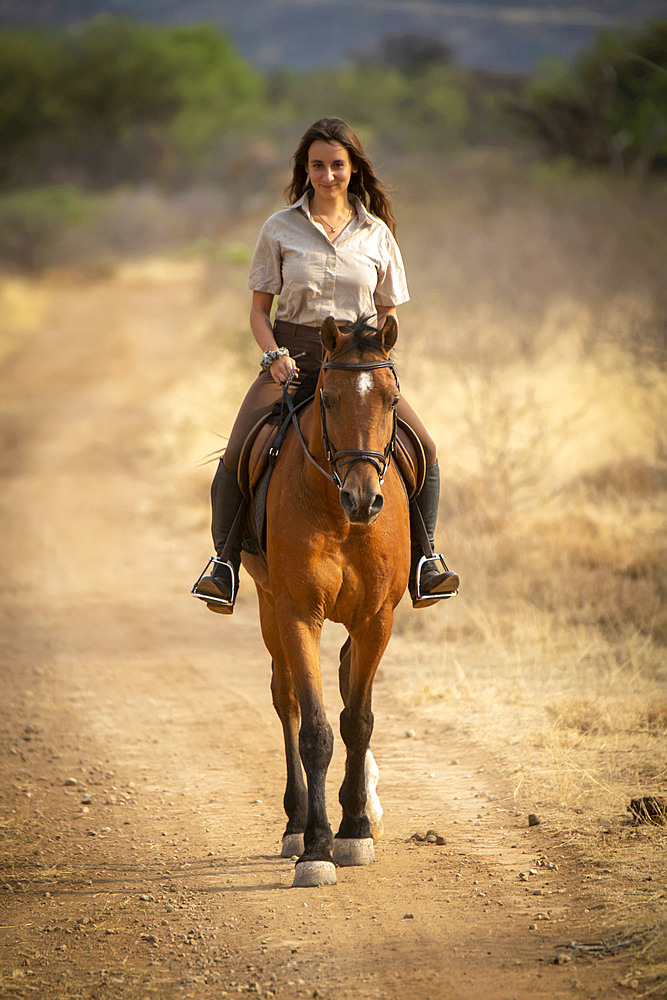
[{"x": 341, "y": 461}]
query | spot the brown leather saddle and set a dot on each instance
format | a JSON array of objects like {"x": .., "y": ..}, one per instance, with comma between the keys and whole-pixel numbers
[{"x": 256, "y": 465}]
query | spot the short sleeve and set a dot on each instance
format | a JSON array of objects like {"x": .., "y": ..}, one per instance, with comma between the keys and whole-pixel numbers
[
  {"x": 392, "y": 286},
  {"x": 266, "y": 267}
]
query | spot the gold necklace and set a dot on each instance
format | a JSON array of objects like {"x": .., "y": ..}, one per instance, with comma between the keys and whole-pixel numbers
[{"x": 327, "y": 225}]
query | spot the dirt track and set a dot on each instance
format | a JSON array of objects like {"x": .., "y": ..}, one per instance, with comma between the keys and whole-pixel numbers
[{"x": 142, "y": 768}]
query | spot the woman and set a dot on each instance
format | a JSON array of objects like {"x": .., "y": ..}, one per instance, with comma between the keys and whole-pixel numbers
[{"x": 332, "y": 252}]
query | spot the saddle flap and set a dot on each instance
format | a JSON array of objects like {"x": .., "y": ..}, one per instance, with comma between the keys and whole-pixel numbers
[
  {"x": 255, "y": 455},
  {"x": 410, "y": 459}
]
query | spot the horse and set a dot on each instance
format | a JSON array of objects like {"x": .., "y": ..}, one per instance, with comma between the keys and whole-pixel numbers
[{"x": 338, "y": 549}]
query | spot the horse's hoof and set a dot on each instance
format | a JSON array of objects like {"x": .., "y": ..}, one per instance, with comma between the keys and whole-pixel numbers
[
  {"x": 310, "y": 874},
  {"x": 353, "y": 851},
  {"x": 292, "y": 844}
]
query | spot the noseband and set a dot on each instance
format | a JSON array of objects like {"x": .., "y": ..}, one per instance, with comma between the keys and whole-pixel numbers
[{"x": 341, "y": 462}]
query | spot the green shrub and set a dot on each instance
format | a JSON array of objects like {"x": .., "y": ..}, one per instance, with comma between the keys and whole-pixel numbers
[
  {"x": 31, "y": 220},
  {"x": 118, "y": 101},
  {"x": 610, "y": 106}
]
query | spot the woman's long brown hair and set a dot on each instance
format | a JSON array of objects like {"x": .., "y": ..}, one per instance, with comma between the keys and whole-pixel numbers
[{"x": 364, "y": 182}]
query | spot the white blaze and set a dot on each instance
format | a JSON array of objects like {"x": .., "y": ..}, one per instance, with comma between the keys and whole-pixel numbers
[{"x": 364, "y": 383}]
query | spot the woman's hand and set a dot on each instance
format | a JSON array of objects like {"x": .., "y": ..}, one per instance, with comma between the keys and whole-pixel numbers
[{"x": 282, "y": 368}]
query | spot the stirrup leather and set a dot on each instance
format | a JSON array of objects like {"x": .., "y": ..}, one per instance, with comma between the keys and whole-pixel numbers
[
  {"x": 437, "y": 557},
  {"x": 207, "y": 597}
]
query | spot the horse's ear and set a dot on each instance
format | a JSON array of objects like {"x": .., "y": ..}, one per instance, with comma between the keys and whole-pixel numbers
[
  {"x": 329, "y": 334},
  {"x": 389, "y": 333}
]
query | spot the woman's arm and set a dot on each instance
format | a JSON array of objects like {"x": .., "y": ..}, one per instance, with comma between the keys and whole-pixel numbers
[
  {"x": 260, "y": 320},
  {"x": 262, "y": 331}
]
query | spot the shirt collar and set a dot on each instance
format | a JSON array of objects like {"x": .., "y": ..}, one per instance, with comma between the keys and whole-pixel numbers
[{"x": 304, "y": 204}]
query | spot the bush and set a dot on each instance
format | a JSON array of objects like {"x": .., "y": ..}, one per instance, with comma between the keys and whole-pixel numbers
[
  {"x": 389, "y": 108},
  {"x": 610, "y": 106},
  {"x": 119, "y": 101},
  {"x": 31, "y": 221}
]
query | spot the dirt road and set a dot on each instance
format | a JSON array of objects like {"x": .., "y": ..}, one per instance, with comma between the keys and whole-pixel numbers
[{"x": 142, "y": 767}]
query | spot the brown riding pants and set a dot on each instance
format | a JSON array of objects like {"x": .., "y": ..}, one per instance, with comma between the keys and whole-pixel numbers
[{"x": 306, "y": 348}]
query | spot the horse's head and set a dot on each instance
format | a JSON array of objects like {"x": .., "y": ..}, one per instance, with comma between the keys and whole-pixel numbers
[{"x": 358, "y": 398}]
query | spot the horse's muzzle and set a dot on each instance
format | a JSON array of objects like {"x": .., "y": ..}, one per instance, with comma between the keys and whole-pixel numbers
[{"x": 361, "y": 507}]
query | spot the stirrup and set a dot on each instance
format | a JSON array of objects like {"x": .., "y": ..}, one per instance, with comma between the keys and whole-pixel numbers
[
  {"x": 430, "y": 598},
  {"x": 207, "y": 597}
]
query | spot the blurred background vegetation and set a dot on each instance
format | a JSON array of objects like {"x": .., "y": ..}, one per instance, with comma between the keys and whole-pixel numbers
[{"x": 142, "y": 136}]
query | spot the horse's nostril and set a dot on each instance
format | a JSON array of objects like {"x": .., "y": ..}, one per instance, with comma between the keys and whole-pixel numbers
[
  {"x": 377, "y": 504},
  {"x": 346, "y": 500}
]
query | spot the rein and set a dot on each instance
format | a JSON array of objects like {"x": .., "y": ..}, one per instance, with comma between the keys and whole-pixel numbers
[{"x": 341, "y": 461}]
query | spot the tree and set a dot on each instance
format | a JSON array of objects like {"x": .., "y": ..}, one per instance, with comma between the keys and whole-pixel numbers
[
  {"x": 409, "y": 52},
  {"x": 119, "y": 100},
  {"x": 610, "y": 106}
]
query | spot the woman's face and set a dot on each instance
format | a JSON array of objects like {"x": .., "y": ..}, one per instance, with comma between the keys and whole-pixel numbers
[{"x": 329, "y": 168}]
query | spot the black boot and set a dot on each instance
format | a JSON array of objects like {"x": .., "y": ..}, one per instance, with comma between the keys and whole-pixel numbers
[
  {"x": 435, "y": 579},
  {"x": 220, "y": 588}
]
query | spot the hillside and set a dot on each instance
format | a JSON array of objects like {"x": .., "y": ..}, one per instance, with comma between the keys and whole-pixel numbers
[{"x": 310, "y": 33}]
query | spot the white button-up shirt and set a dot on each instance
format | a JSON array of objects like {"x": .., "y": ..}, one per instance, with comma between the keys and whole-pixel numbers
[{"x": 314, "y": 278}]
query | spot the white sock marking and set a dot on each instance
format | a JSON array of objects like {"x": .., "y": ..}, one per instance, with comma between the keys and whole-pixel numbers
[{"x": 373, "y": 808}]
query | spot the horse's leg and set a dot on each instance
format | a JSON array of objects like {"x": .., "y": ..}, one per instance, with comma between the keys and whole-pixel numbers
[
  {"x": 344, "y": 669},
  {"x": 295, "y": 800},
  {"x": 353, "y": 844},
  {"x": 301, "y": 643},
  {"x": 374, "y": 809}
]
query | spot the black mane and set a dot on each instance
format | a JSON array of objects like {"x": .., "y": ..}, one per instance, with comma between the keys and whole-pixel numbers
[{"x": 362, "y": 340}]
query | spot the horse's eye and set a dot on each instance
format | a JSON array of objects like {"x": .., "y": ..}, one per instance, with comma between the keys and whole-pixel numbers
[
  {"x": 394, "y": 402},
  {"x": 326, "y": 402}
]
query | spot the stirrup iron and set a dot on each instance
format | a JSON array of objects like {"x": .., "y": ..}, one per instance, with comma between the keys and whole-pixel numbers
[
  {"x": 437, "y": 557},
  {"x": 207, "y": 597}
]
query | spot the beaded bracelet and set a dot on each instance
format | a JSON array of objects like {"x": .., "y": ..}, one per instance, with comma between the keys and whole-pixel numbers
[{"x": 270, "y": 356}]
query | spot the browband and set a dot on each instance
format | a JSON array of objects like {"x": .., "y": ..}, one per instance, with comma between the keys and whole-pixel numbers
[{"x": 362, "y": 366}]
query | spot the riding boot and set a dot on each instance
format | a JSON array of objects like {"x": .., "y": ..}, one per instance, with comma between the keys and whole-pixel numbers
[
  {"x": 434, "y": 576},
  {"x": 226, "y": 502}
]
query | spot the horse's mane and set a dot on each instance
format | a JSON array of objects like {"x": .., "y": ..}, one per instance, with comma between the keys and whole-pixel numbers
[{"x": 362, "y": 339}]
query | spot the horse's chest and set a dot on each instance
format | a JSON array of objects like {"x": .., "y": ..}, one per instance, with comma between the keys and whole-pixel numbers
[{"x": 359, "y": 577}]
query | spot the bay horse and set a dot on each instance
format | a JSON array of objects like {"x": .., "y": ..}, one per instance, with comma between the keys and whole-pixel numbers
[{"x": 338, "y": 548}]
